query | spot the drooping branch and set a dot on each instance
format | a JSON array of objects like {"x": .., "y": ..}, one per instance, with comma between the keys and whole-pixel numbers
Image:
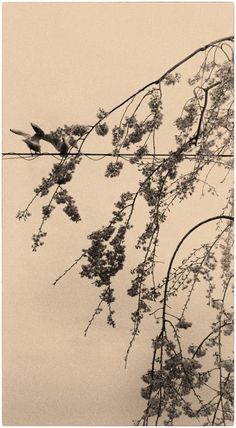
[
  {"x": 219, "y": 217},
  {"x": 102, "y": 115},
  {"x": 158, "y": 81},
  {"x": 205, "y": 119}
]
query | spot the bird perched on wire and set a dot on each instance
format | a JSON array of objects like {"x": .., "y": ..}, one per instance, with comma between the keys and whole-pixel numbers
[
  {"x": 32, "y": 141},
  {"x": 64, "y": 147},
  {"x": 58, "y": 141}
]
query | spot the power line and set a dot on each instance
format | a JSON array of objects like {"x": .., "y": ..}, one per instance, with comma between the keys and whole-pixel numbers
[{"x": 105, "y": 154}]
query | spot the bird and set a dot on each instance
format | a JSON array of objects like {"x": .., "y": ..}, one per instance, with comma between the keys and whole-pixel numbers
[
  {"x": 32, "y": 141},
  {"x": 58, "y": 142},
  {"x": 64, "y": 147}
]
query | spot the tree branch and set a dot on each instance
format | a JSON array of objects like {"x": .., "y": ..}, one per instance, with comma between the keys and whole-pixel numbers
[{"x": 219, "y": 217}]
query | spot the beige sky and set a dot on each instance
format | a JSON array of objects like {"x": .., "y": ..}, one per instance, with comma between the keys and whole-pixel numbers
[{"x": 61, "y": 61}]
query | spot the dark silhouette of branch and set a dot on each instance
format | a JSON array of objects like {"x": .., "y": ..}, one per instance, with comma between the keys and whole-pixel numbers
[
  {"x": 204, "y": 136},
  {"x": 68, "y": 269},
  {"x": 219, "y": 217},
  {"x": 207, "y": 337},
  {"x": 158, "y": 81},
  {"x": 32, "y": 155}
]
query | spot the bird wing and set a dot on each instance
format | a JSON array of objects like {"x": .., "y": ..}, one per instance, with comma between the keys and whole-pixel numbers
[
  {"x": 32, "y": 145},
  {"x": 53, "y": 140},
  {"x": 38, "y": 130},
  {"x": 23, "y": 134}
]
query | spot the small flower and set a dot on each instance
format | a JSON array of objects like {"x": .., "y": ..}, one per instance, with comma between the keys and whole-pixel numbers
[
  {"x": 47, "y": 209},
  {"x": 101, "y": 113},
  {"x": 146, "y": 392},
  {"x": 131, "y": 121},
  {"x": 23, "y": 215},
  {"x": 155, "y": 104},
  {"x": 199, "y": 352},
  {"x": 38, "y": 240},
  {"x": 171, "y": 79},
  {"x": 183, "y": 324},
  {"x": 79, "y": 130},
  {"x": 228, "y": 365},
  {"x": 217, "y": 304},
  {"x": 113, "y": 169},
  {"x": 117, "y": 134},
  {"x": 102, "y": 129}
]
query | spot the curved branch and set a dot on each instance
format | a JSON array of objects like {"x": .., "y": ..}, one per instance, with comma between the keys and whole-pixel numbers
[
  {"x": 158, "y": 81},
  {"x": 209, "y": 335},
  {"x": 219, "y": 217}
]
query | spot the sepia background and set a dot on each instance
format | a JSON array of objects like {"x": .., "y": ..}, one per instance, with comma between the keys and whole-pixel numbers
[{"x": 61, "y": 62}]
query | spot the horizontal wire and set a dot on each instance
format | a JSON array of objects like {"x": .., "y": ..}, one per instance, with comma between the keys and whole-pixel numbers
[{"x": 104, "y": 154}]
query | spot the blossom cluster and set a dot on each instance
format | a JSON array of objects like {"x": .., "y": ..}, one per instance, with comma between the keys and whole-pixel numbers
[
  {"x": 105, "y": 256},
  {"x": 172, "y": 79},
  {"x": 71, "y": 210},
  {"x": 23, "y": 214},
  {"x": 61, "y": 174},
  {"x": 113, "y": 169},
  {"x": 102, "y": 129},
  {"x": 38, "y": 240}
]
